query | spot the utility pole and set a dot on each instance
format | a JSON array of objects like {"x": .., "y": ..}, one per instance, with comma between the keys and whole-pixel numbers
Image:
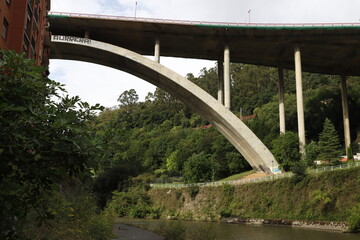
[{"x": 135, "y": 8}]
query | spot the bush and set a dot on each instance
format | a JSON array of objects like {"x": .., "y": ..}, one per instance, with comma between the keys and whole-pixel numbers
[
  {"x": 193, "y": 191},
  {"x": 72, "y": 215},
  {"x": 354, "y": 219},
  {"x": 299, "y": 170},
  {"x": 286, "y": 149},
  {"x": 199, "y": 168},
  {"x": 120, "y": 204},
  {"x": 311, "y": 153}
]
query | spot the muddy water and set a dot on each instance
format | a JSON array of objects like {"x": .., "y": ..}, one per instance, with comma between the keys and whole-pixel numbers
[{"x": 221, "y": 231}]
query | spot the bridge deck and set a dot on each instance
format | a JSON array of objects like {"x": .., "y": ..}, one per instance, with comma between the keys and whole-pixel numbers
[{"x": 331, "y": 49}]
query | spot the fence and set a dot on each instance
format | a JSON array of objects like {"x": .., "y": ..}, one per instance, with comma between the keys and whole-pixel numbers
[
  {"x": 253, "y": 180},
  {"x": 210, "y": 23}
]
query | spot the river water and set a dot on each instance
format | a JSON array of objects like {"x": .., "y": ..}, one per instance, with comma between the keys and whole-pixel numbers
[{"x": 186, "y": 230}]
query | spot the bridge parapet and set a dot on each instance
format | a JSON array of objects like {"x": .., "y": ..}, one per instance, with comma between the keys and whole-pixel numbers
[{"x": 205, "y": 23}]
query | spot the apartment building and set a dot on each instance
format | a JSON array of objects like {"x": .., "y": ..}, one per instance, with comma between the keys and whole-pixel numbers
[{"x": 24, "y": 28}]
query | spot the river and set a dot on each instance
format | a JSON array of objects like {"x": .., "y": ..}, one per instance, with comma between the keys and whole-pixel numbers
[{"x": 187, "y": 230}]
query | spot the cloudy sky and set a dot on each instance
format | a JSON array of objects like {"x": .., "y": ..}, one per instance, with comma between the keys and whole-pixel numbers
[{"x": 98, "y": 84}]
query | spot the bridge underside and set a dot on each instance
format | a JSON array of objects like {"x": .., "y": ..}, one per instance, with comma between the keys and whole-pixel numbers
[
  {"x": 330, "y": 50},
  {"x": 254, "y": 151}
]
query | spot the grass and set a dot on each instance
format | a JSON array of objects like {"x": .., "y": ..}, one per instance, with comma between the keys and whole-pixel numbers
[{"x": 237, "y": 176}]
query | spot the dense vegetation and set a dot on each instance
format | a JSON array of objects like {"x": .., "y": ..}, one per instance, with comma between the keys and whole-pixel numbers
[
  {"x": 329, "y": 196},
  {"x": 163, "y": 137},
  {"x": 46, "y": 152},
  {"x": 58, "y": 158}
]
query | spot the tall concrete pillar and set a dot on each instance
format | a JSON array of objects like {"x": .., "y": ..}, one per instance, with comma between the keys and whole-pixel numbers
[
  {"x": 221, "y": 81},
  {"x": 157, "y": 51},
  {"x": 281, "y": 101},
  {"x": 299, "y": 100},
  {"x": 227, "y": 76},
  {"x": 345, "y": 108}
]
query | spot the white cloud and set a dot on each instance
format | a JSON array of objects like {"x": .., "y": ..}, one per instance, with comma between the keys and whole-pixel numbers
[{"x": 78, "y": 6}]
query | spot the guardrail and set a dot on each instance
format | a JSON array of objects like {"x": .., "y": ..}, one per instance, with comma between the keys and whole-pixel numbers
[
  {"x": 253, "y": 180},
  {"x": 190, "y": 22}
]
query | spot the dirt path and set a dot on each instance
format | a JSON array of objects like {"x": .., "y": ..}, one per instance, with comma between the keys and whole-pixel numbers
[
  {"x": 126, "y": 232},
  {"x": 255, "y": 175}
]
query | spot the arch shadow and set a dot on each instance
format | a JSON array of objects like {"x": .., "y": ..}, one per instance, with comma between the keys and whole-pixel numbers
[{"x": 241, "y": 137}]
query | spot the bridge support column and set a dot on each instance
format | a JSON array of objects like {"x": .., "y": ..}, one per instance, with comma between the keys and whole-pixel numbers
[
  {"x": 227, "y": 76},
  {"x": 299, "y": 100},
  {"x": 281, "y": 101},
  {"x": 157, "y": 51},
  {"x": 345, "y": 108},
  {"x": 221, "y": 81}
]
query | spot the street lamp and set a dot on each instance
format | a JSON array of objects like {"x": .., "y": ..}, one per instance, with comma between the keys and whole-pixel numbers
[
  {"x": 135, "y": 8},
  {"x": 249, "y": 16}
]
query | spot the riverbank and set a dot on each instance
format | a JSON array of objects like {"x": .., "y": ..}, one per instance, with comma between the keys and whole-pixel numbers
[
  {"x": 328, "y": 201},
  {"x": 325, "y": 226}
]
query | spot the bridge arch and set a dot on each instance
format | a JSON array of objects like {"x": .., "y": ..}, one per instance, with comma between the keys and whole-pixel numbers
[{"x": 243, "y": 139}]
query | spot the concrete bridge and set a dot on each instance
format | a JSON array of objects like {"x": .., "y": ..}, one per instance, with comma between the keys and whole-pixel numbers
[{"x": 120, "y": 42}]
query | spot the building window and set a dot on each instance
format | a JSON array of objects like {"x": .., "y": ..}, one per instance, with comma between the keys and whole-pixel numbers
[{"x": 5, "y": 28}]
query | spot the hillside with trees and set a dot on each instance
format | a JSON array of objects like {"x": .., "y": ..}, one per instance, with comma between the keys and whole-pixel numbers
[
  {"x": 60, "y": 156},
  {"x": 164, "y": 138}
]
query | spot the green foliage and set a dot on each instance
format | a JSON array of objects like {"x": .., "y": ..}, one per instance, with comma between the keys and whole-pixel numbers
[
  {"x": 350, "y": 155},
  {"x": 134, "y": 202},
  {"x": 43, "y": 138},
  {"x": 299, "y": 170},
  {"x": 354, "y": 219},
  {"x": 199, "y": 168},
  {"x": 158, "y": 135},
  {"x": 193, "y": 192},
  {"x": 322, "y": 199},
  {"x": 73, "y": 216},
  {"x": 229, "y": 191},
  {"x": 329, "y": 196},
  {"x": 311, "y": 153},
  {"x": 286, "y": 149},
  {"x": 329, "y": 147},
  {"x": 128, "y": 97}
]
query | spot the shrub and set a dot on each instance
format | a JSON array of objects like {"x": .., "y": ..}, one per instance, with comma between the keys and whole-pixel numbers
[
  {"x": 299, "y": 170},
  {"x": 354, "y": 219},
  {"x": 193, "y": 191},
  {"x": 311, "y": 153},
  {"x": 286, "y": 149},
  {"x": 199, "y": 168},
  {"x": 120, "y": 204}
]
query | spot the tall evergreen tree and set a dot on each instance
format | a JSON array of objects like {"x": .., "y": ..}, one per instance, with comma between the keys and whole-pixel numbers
[{"x": 329, "y": 146}]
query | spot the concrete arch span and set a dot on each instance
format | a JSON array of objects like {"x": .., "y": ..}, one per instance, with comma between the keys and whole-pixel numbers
[{"x": 244, "y": 140}]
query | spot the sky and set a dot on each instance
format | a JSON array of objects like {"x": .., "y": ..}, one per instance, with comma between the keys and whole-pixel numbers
[{"x": 99, "y": 84}]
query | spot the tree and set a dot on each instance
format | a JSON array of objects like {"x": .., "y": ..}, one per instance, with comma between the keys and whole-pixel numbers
[
  {"x": 329, "y": 146},
  {"x": 311, "y": 153},
  {"x": 199, "y": 168},
  {"x": 286, "y": 149},
  {"x": 128, "y": 97},
  {"x": 299, "y": 170},
  {"x": 43, "y": 138}
]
